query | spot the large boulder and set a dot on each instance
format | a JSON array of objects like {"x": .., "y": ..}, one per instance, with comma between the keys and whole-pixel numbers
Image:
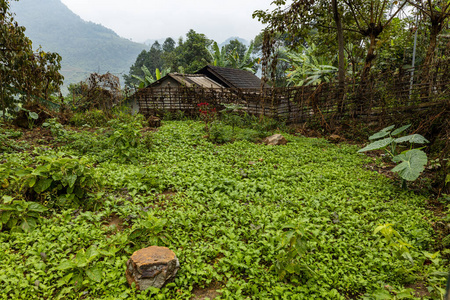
[
  {"x": 276, "y": 139},
  {"x": 153, "y": 266}
]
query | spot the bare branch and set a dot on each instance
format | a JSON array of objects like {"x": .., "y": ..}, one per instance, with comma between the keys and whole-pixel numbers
[{"x": 399, "y": 9}]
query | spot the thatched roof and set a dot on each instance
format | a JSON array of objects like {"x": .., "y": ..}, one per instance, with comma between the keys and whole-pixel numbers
[{"x": 231, "y": 78}]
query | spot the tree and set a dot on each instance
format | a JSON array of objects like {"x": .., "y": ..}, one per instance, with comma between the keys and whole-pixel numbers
[
  {"x": 22, "y": 71},
  {"x": 192, "y": 54},
  {"x": 371, "y": 19},
  {"x": 438, "y": 13},
  {"x": 151, "y": 59},
  {"x": 236, "y": 45},
  {"x": 297, "y": 21},
  {"x": 168, "y": 45}
]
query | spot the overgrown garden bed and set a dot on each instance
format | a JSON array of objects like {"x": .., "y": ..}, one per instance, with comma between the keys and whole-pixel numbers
[{"x": 305, "y": 220}]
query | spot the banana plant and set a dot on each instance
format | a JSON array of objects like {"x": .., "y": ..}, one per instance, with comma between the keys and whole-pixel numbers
[
  {"x": 244, "y": 63},
  {"x": 148, "y": 77},
  {"x": 218, "y": 56},
  {"x": 307, "y": 69}
]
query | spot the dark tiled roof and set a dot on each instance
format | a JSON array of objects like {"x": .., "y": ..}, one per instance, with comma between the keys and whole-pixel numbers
[{"x": 231, "y": 78}]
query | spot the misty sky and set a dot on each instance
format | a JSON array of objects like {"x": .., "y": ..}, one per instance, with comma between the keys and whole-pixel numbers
[{"x": 140, "y": 20}]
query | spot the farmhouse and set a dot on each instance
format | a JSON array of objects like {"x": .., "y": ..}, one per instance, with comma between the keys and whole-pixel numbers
[
  {"x": 231, "y": 78},
  {"x": 216, "y": 85}
]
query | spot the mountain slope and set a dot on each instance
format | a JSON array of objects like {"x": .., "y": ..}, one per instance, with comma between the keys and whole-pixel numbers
[{"x": 85, "y": 47}]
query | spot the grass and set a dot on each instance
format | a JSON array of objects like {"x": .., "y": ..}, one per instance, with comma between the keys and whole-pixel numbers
[{"x": 225, "y": 211}]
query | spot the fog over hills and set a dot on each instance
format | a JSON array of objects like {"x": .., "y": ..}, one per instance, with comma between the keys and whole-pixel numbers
[{"x": 85, "y": 47}]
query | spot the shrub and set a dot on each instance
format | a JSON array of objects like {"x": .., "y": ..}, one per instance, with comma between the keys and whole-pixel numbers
[
  {"x": 93, "y": 118},
  {"x": 54, "y": 181}
]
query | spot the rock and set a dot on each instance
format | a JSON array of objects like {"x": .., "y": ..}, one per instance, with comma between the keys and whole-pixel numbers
[
  {"x": 276, "y": 139},
  {"x": 154, "y": 121},
  {"x": 153, "y": 266}
]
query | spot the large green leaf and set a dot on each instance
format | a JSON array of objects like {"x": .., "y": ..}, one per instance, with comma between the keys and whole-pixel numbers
[
  {"x": 37, "y": 207},
  {"x": 5, "y": 216},
  {"x": 377, "y": 145},
  {"x": 379, "y": 135},
  {"x": 413, "y": 139},
  {"x": 94, "y": 274},
  {"x": 42, "y": 185},
  {"x": 412, "y": 164},
  {"x": 400, "y": 130}
]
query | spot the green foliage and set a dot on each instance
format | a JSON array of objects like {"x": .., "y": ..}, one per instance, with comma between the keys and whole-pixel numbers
[
  {"x": 412, "y": 161},
  {"x": 56, "y": 128},
  {"x": 125, "y": 139},
  {"x": 225, "y": 210},
  {"x": 8, "y": 141},
  {"x": 80, "y": 270},
  {"x": 23, "y": 71},
  {"x": 295, "y": 245},
  {"x": 19, "y": 215},
  {"x": 147, "y": 228},
  {"x": 93, "y": 118},
  {"x": 148, "y": 78},
  {"x": 307, "y": 69},
  {"x": 395, "y": 240},
  {"x": 55, "y": 180}
]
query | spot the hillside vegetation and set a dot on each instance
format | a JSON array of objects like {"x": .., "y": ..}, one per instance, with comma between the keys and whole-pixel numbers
[{"x": 84, "y": 46}]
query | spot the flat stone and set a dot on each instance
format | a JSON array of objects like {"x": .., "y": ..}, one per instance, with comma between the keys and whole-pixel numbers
[
  {"x": 152, "y": 266},
  {"x": 276, "y": 139}
]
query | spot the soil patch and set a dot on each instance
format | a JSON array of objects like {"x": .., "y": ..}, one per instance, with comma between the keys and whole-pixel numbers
[{"x": 208, "y": 292}]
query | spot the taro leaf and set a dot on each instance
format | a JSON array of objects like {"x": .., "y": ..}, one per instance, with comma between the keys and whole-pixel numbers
[
  {"x": 42, "y": 185},
  {"x": 412, "y": 164},
  {"x": 413, "y": 139},
  {"x": 94, "y": 274},
  {"x": 382, "y": 133},
  {"x": 389, "y": 128},
  {"x": 33, "y": 115},
  {"x": 377, "y": 145},
  {"x": 400, "y": 130},
  {"x": 37, "y": 207},
  {"x": 379, "y": 135}
]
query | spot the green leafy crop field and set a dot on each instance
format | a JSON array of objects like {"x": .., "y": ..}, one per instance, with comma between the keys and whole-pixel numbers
[{"x": 246, "y": 220}]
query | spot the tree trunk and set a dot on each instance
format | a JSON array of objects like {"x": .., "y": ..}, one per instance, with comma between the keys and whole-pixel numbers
[
  {"x": 426, "y": 80},
  {"x": 369, "y": 58},
  {"x": 340, "y": 39}
]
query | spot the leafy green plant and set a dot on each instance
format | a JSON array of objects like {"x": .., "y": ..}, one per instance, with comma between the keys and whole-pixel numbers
[
  {"x": 294, "y": 247},
  {"x": 19, "y": 215},
  {"x": 56, "y": 128},
  {"x": 147, "y": 228},
  {"x": 411, "y": 162},
  {"x": 81, "y": 269},
  {"x": 93, "y": 118},
  {"x": 55, "y": 180},
  {"x": 219, "y": 133},
  {"x": 395, "y": 240},
  {"x": 125, "y": 139}
]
